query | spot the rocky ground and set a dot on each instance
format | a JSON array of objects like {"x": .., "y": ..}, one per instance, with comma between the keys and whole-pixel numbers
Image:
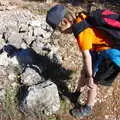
[{"x": 108, "y": 100}]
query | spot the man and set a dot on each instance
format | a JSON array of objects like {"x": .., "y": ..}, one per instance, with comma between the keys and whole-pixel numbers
[{"x": 90, "y": 41}]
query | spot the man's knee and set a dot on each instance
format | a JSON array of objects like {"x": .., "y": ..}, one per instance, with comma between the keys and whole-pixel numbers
[{"x": 93, "y": 87}]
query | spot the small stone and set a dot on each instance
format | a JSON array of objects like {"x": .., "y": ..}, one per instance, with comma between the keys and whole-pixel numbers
[
  {"x": 106, "y": 117},
  {"x": 11, "y": 76},
  {"x": 23, "y": 28},
  {"x": 14, "y": 84}
]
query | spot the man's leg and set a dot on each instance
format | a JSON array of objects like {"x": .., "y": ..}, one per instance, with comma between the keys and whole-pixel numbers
[
  {"x": 86, "y": 110},
  {"x": 92, "y": 93}
]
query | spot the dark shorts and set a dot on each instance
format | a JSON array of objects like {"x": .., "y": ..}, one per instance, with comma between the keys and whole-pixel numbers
[
  {"x": 107, "y": 71},
  {"x": 106, "y": 65}
]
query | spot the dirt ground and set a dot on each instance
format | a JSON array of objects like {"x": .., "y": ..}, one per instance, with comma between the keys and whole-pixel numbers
[{"x": 108, "y": 100}]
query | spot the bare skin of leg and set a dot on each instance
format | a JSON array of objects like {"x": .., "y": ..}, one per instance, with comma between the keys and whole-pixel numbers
[{"x": 92, "y": 92}]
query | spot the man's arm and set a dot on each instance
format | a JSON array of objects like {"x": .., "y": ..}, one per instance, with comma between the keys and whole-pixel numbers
[
  {"x": 88, "y": 65},
  {"x": 88, "y": 62}
]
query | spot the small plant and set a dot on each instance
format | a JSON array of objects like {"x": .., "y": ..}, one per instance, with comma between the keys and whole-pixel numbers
[{"x": 10, "y": 104}]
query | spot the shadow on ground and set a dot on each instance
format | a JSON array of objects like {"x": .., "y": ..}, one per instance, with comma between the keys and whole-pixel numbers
[{"x": 47, "y": 68}]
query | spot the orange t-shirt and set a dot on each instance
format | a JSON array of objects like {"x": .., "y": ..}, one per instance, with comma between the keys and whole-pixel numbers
[{"x": 92, "y": 39}]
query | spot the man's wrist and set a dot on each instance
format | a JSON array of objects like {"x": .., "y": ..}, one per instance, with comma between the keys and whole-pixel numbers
[{"x": 89, "y": 76}]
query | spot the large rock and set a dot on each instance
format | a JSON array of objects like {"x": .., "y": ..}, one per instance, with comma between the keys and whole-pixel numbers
[
  {"x": 10, "y": 24},
  {"x": 31, "y": 77},
  {"x": 41, "y": 98},
  {"x": 6, "y": 61},
  {"x": 14, "y": 39}
]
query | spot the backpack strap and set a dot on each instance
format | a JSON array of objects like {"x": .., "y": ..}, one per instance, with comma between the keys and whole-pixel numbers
[
  {"x": 113, "y": 16},
  {"x": 110, "y": 27},
  {"x": 79, "y": 27}
]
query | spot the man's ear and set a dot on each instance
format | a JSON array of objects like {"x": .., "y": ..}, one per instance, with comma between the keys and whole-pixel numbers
[{"x": 65, "y": 21}]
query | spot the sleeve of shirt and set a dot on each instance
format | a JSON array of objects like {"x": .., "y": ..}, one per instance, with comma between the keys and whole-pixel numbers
[{"x": 85, "y": 39}]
